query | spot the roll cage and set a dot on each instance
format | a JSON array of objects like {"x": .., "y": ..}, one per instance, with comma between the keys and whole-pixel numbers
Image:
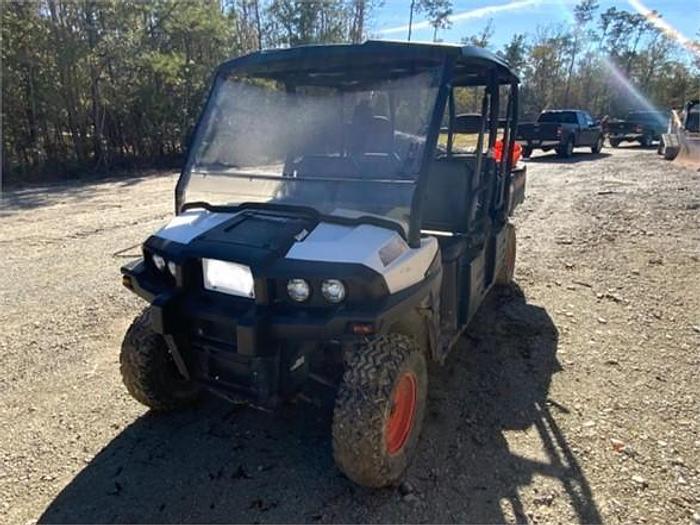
[{"x": 443, "y": 199}]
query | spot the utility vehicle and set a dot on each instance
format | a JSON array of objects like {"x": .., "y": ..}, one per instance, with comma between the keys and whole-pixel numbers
[
  {"x": 638, "y": 126},
  {"x": 561, "y": 130},
  {"x": 337, "y": 222}
]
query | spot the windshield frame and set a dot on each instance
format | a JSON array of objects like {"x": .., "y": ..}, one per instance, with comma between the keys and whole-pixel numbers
[{"x": 410, "y": 231}]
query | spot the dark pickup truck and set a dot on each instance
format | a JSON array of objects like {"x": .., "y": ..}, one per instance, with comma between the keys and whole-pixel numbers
[
  {"x": 561, "y": 130},
  {"x": 639, "y": 126}
]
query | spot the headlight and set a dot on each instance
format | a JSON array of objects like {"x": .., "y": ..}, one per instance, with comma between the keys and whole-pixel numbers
[
  {"x": 298, "y": 290},
  {"x": 172, "y": 268},
  {"x": 159, "y": 262},
  {"x": 228, "y": 277},
  {"x": 333, "y": 290}
]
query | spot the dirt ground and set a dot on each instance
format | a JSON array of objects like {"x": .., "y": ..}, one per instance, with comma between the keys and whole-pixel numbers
[{"x": 574, "y": 398}]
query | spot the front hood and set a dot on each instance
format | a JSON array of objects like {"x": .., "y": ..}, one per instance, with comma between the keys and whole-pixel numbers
[
  {"x": 279, "y": 244},
  {"x": 254, "y": 238}
]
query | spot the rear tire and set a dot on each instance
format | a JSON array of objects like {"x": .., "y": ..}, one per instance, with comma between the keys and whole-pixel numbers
[
  {"x": 598, "y": 146},
  {"x": 615, "y": 143},
  {"x": 379, "y": 410},
  {"x": 567, "y": 150},
  {"x": 507, "y": 271},
  {"x": 149, "y": 371}
]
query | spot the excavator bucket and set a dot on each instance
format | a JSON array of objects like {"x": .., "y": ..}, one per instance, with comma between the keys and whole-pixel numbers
[{"x": 682, "y": 142}]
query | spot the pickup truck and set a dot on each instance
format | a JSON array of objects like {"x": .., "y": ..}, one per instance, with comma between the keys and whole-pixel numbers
[
  {"x": 561, "y": 130},
  {"x": 638, "y": 126}
]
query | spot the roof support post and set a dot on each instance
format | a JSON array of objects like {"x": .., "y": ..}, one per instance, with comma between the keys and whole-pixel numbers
[
  {"x": 451, "y": 124},
  {"x": 509, "y": 147},
  {"x": 414, "y": 229}
]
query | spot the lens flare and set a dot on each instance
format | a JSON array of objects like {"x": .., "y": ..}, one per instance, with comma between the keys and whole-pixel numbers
[
  {"x": 654, "y": 18},
  {"x": 621, "y": 80}
]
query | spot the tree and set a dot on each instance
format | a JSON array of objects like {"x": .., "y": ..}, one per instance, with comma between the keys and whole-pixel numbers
[
  {"x": 438, "y": 13},
  {"x": 110, "y": 84},
  {"x": 515, "y": 52},
  {"x": 483, "y": 38},
  {"x": 583, "y": 15}
]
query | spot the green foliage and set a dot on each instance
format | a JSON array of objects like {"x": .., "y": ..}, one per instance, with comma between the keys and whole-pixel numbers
[
  {"x": 438, "y": 13},
  {"x": 113, "y": 83},
  {"x": 598, "y": 62}
]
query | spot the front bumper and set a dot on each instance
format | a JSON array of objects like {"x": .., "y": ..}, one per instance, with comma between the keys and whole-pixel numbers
[{"x": 238, "y": 347}]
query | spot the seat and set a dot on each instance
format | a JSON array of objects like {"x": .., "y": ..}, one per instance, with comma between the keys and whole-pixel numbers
[{"x": 449, "y": 194}]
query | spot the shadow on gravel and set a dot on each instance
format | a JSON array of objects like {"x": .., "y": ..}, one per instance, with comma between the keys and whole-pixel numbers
[
  {"x": 578, "y": 156},
  {"x": 225, "y": 463},
  {"x": 17, "y": 199}
]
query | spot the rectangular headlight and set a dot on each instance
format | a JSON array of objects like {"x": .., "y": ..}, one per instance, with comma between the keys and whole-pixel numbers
[{"x": 228, "y": 277}]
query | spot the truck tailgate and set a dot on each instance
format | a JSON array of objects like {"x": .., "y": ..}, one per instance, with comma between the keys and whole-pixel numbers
[
  {"x": 622, "y": 128},
  {"x": 538, "y": 131}
]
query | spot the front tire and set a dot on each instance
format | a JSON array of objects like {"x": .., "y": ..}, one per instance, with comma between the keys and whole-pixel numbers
[
  {"x": 149, "y": 371},
  {"x": 597, "y": 148},
  {"x": 379, "y": 410},
  {"x": 527, "y": 152},
  {"x": 645, "y": 141},
  {"x": 615, "y": 143}
]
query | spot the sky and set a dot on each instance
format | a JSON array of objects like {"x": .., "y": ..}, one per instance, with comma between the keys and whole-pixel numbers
[{"x": 519, "y": 16}]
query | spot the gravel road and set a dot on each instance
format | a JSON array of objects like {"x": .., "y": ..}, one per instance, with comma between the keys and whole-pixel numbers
[{"x": 574, "y": 398}]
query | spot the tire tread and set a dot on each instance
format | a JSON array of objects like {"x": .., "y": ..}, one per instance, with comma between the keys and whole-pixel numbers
[{"x": 360, "y": 415}]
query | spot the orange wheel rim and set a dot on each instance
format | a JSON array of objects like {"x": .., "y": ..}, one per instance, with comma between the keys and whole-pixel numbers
[{"x": 403, "y": 409}]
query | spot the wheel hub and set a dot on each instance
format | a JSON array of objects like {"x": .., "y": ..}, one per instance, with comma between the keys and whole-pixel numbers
[{"x": 403, "y": 409}]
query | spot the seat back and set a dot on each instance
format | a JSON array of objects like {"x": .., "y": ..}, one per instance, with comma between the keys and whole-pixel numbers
[{"x": 448, "y": 202}]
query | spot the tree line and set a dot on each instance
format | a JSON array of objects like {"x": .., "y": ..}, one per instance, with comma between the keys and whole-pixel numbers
[
  {"x": 95, "y": 85},
  {"x": 607, "y": 62}
]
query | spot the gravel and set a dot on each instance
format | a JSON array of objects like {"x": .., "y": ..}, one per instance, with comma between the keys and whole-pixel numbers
[{"x": 574, "y": 398}]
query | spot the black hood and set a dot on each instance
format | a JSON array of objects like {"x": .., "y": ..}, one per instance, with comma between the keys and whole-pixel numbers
[{"x": 253, "y": 238}]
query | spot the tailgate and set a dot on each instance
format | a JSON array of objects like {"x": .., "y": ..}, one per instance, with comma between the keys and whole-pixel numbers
[
  {"x": 537, "y": 131},
  {"x": 621, "y": 128}
]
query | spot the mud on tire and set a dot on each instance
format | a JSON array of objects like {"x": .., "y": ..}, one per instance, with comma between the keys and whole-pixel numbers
[
  {"x": 148, "y": 370},
  {"x": 364, "y": 447}
]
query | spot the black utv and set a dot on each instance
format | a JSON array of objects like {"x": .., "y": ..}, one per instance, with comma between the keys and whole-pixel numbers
[{"x": 337, "y": 221}]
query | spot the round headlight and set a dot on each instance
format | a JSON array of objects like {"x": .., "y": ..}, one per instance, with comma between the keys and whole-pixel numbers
[
  {"x": 333, "y": 290},
  {"x": 159, "y": 262},
  {"x": 172, "y": 268},
  {"x": 298, "y": 290}
]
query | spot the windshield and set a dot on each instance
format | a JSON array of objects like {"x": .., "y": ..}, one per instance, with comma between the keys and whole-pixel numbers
[
  {"x": 565, "y": 117},
  {"x": 349, "y": 149},
  {"x": 651, "y": 117}
]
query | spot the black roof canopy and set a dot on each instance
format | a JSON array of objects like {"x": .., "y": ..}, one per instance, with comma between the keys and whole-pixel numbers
[{"x": 338, "y": 63}]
